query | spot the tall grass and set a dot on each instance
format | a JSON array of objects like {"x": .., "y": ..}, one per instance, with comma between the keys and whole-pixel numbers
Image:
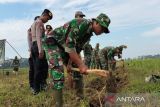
[
  {"x": 15, "y": 92},
  {"x": 138, "y": 70}
]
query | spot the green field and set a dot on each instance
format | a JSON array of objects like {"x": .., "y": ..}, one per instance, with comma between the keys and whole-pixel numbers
[{"x": 14, "y": 89}]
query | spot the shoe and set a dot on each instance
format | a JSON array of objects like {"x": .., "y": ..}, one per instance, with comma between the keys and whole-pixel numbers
[
  {"x": 32, "y": 89},
  {"x": 34, "y": 92}
]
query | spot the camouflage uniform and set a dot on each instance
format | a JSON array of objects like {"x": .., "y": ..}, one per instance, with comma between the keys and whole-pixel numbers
[
  {"x": 87, "y": 54},
  {"x": 93, "y": 61},
  {"x": 72, "y": 36},
  {"x": 67, "y": 38},
  {"x": 96, "y": 56},
  {"x": 105, "y": 55},
  {"x": 115, "y": 52}
]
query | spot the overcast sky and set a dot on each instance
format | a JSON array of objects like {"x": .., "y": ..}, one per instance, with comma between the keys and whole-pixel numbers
[{"x": 135, "y": 23}]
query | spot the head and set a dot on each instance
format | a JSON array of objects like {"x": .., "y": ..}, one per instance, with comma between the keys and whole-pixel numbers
[
  {"x": 88, "y": 41},
  {"x": 121, "y": 47},
  {"x": 36, "y": 18},
  {"x": 100, "y": 24},
  {"x": 48, "y": 28},
  {"x": 97, "y": 45},
  {"x": 16, "y": 57},
  {"x": 117, "y": 52},
  {"x": 79, "y": 14},
  {"x": 46, "y": 15}
]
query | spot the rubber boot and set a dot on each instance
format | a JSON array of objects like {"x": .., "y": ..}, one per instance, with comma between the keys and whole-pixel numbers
[{"x": 58, "y": 95}]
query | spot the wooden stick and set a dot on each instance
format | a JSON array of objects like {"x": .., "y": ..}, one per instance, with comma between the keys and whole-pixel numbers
[{"x": 103, "y": 73}]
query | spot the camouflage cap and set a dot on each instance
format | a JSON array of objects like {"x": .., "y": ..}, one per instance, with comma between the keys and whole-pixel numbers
[
  {"x": 48, "y": 12},
  {"x": 104, "y": 21},
  {"x": 79, "y": 13},
  {"x": 48, "y": 27}
]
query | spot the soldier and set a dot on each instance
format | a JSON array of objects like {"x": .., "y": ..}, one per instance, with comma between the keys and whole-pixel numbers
[
  {"x": 67, "y": 43},
  {"x": 107, "y": 56},
  {"x": 87, "y": 49},
  {"x": 121, "y": 47},
  {"x": 77, "y": 78},
  {"x": 96, "y": 56},
  {"x": 79, "y": 14},
  {"x": 15, "y": 65},
  {"x": 93, "y": 61},
  {"x": 30, "y": 59},
  {"x": 116, "y": 52},
  {"x": 45, "y": 64},
  {"x": 40, "y": 66},
  {"x": 103, "y": 54}
]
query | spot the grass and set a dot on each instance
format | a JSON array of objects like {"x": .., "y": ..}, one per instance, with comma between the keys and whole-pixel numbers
[
  {"x": 138, "y": 70},
  {"x": 14, "y": 89}
]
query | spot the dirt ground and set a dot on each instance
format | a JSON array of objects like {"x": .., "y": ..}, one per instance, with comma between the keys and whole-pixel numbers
[{"x": 97, "y": 89}]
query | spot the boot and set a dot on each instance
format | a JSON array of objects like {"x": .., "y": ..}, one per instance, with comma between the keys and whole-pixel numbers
[{"x": 58, "y": 95}]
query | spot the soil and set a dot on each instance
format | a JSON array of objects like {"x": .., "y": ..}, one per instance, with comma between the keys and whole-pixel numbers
[{"x": 97, "y": 89}]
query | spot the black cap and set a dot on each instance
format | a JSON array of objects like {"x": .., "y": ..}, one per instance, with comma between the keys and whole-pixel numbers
[
  {"x": 48, "y": 12},
  {"x": 48, "y": 27},
  {"x": 36, "y": 17}
]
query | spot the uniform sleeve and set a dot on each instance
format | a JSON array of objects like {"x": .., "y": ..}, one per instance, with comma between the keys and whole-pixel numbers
[
  {"x": 109, "y": 55},
  {"x": 29, "y": 38},
  {"x": 71, "y": 40},
  {"x": 39, "y": 32}
]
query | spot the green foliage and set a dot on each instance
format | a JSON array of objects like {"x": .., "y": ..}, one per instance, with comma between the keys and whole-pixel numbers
[{"x": 138, "y": 70}]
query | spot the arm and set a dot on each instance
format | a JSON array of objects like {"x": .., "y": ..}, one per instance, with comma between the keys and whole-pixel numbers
[
  {"x": 70, "y": 48},
  {"x": 29, "y": 38},
  {"x": 39, "y": 31},
  {"x": 76, "y": 59},
  {"x": 51, "y": 32},
  {"x": 110, "y": 56}
]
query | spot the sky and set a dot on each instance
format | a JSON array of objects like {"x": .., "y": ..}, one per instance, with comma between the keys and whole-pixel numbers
[{"x": 135, "y": 23}]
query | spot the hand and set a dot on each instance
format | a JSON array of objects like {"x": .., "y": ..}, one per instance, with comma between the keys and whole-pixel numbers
[
  {"x": 83, "y": 69},
  {"x": 41, "y": 54}
]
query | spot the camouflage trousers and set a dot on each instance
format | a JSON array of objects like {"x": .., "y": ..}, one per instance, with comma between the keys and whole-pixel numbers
[
  {"x": 93, "y": 63},
  {"x": 55, "y": 63},
  {"x": 98, "y": 63},
  {"x": 104, "y": 61},
  {"x": 87, "y": 59}
]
